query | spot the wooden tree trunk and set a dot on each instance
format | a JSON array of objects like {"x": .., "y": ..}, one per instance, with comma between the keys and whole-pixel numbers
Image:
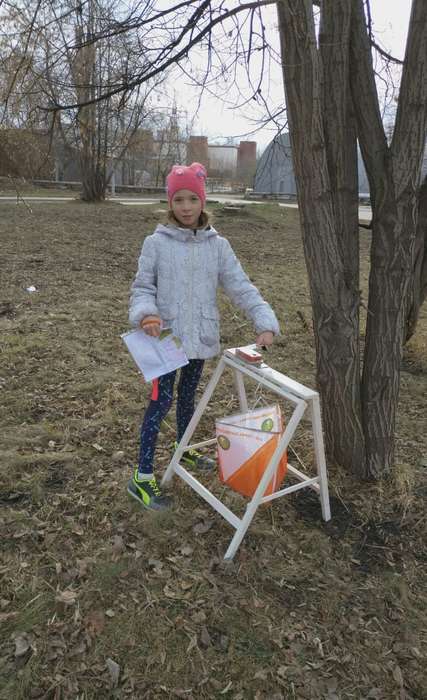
[
  {"x": 92, "y": 166},
  {"x": 419, "y": 287},
  {"x": 359, "y": 419},
  {"x": 93, "y": 181},
  {"x": 86, "y": 79},
  {"x": 393, "y": 176},
  {"x": 323, "y": 203},
  {"x": 341, "y": 149}
]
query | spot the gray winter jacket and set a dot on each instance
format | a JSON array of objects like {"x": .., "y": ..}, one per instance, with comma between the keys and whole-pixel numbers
[{"x": 179, "y": 271}]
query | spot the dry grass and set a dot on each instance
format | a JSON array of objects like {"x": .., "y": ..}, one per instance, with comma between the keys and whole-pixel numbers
[{"x": 307, "y": 610}]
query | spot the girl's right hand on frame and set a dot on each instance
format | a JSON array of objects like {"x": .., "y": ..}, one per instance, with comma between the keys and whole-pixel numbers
[
  {"x": 265, "y": 339},
  {"x": 151, "y": 325}
]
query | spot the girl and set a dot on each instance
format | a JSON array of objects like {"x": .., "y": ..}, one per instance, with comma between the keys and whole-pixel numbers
[{"x": 179, "y": 270}]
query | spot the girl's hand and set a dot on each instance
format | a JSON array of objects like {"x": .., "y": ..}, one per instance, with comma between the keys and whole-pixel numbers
[
  {"x": 152, "y": 329},
  {"x": 265, "y": 338},
  {"x": 151, "y": 325}
]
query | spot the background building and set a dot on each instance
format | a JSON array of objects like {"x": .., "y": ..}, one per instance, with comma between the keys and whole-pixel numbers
[
  {"x": 246, "y": 162},
  {"x": 222, "y": 161},
  {"x": 275, "y": 174},
  {"x": 143, "y": 161}
]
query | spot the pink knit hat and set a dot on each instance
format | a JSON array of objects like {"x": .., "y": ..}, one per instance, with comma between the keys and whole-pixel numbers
[{"x": 183, "y": 177}]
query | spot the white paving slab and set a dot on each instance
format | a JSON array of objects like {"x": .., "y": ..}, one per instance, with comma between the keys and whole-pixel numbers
[{"x": 20, "y": 198}]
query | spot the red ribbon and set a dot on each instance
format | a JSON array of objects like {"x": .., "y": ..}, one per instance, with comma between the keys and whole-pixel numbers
[{"x": 155, "y": 390}]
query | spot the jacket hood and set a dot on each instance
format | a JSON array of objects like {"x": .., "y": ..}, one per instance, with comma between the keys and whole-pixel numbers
[{"x": 185, "y": 234}]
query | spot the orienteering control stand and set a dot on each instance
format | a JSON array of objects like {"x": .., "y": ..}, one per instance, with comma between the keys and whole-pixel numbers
[{"x": 303, "y": 398}]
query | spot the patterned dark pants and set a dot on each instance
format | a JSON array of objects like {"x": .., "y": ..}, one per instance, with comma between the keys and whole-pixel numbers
[{"x": 157, "y": 410}]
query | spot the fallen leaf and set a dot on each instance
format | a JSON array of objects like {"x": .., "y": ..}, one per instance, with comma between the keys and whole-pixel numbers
[
  {"x": 114, "y": 671},
  {"x": 22, "y": 645},
  {"x": 205, "y": 638},
  {"x": 83, "y": 566},
  {"x": 21, "y": 533},
  {"x": 95, "y": 622},
  {"x": 156, "y": 564},
  {"x": 78, "y": 649},
  {"x": 203, "y": 526},
  {"x": 199, "y": 616},
  {"x": 7, "y": 616},
  {"x": 77, "y": 530},
  {"x": 193, "y": 643},
  {"x": 261, "y": 675},
  {"x": 186, "y": 550},
  {"x": 171, "y": 592},
  {"x": 397, "y": 675},
  {"x": 118, "y": 547},
  {"x": 67, "y": 597},
  {"x": 186, "y": 585}
]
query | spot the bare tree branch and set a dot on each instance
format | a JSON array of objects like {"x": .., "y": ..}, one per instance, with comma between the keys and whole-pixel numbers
[
  {"x": 410, "y": 130},
  {"x": 156, "y": 67}
]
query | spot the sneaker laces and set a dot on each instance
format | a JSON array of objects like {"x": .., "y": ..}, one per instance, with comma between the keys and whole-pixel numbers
[
  {"x": 154, "y": 486},
  {"x": 189, "y": 451},
  {"x": 193, "y": 453}
]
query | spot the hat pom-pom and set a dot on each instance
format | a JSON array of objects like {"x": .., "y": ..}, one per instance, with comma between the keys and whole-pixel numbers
[{"x": 199, "y": 170}]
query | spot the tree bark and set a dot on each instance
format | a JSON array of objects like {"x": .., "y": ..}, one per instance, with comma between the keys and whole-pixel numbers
[
  {"x": 393, "y": 175},
  {"x": 341, "y": 151},
  {"x": 321, "y": 203},
  {"x": 419, "y": 286},
  {"x": 322, "y": 88},
  {"x": 86, "y": 79}
]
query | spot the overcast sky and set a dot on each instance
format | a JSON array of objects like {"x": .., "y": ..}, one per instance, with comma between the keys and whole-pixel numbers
[{"x": 215, "y": 120}]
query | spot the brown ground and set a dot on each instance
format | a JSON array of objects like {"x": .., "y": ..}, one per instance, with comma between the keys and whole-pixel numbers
[{"x": 101, "y": 600}]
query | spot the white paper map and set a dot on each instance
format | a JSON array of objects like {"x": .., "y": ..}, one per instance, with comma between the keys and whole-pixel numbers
[{"x": 155, "y": 356}]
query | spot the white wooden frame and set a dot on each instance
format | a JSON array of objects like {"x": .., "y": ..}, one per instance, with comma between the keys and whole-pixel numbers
[{"x": 303, "y": 398}]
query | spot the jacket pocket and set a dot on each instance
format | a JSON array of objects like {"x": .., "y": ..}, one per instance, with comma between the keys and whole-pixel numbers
[{"x": 209, "y": 330}]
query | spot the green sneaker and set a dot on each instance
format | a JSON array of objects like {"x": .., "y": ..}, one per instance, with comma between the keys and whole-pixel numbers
[
  {"x": 196, "y": 460},
  {"x": 148, "y": 493}
]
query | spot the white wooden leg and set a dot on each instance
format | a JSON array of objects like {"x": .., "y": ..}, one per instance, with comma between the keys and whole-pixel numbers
[
  {"x": 319, "y": 451},
  {"x": 265, "y": 480},
  {"x": 194, "y": 421},
  {"x": 241, "y": 392}
]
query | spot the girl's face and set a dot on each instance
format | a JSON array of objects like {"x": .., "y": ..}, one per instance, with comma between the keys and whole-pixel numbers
[{"x": 187, "y": 208}]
